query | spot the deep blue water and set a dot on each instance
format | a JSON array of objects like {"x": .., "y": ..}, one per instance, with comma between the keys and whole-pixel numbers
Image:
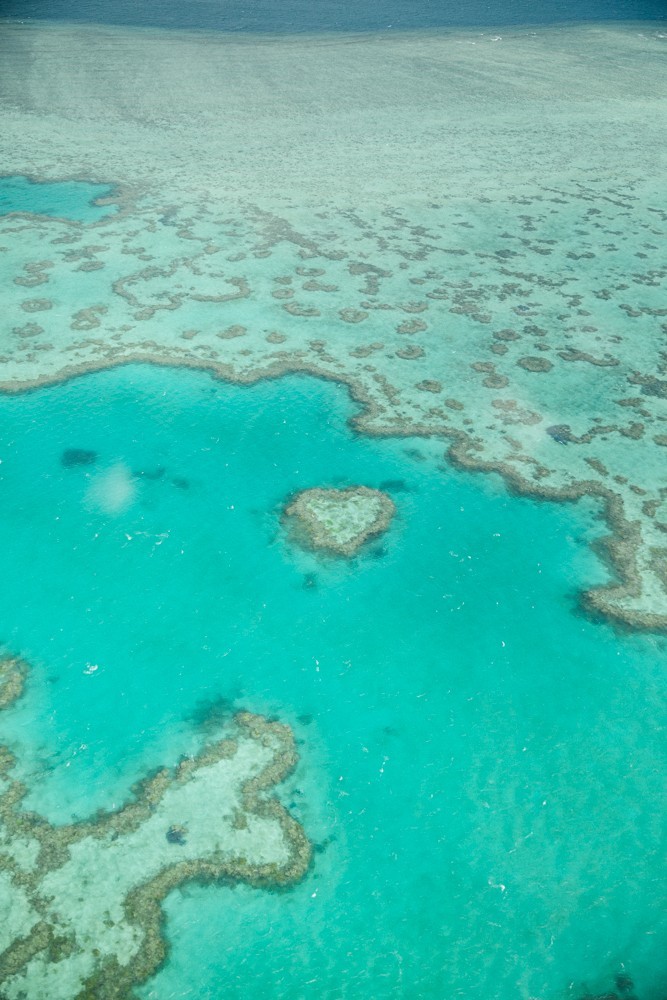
[{"x": 295, "y": 16}]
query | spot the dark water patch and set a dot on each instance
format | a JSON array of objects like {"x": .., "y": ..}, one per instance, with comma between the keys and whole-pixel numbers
[
  {"x": 301, "y": 16},
  {"x": 176, "y": 835},
  {"x": 73, "y": 457},
  {"x": 561, "y": 433},
  {"x": 211, "y": 713},
  {"x": 415, "y": 454},
  {"x": 654, "y": 387},
  {"x": 624, "y": 989},
  {"x": 624, "y": 982},
  {"x": 394, "y": 486}
]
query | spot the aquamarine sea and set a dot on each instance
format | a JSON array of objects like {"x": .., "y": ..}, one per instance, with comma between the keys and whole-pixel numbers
[
  {"x": 481, "y": 766},
  {"x": 482, "y": 758}
]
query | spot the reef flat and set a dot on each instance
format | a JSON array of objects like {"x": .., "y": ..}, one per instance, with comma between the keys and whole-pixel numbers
[
  {"x": 80, "y": 904},
  {"x": 340, "y": 521},
  {"x": 521, "y": 319}
]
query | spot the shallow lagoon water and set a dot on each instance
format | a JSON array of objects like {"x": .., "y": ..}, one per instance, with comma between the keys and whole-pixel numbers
[
  {"x": 477, "y": 759},
  {"x": 74, "y": 200}
]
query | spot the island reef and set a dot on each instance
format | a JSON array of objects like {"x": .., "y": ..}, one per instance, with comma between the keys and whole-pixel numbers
[{"x": 337, "y": 521}]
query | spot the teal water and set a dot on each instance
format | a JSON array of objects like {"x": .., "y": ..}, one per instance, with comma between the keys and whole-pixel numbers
[
  {"x": 481, "y": 768},
  {"x": 74, "y": 200},
  {"x": 332, "y": 15}
]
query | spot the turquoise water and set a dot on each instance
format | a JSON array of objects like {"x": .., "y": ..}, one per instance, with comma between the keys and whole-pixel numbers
[
  {"x": 481, "y": 767},
  {"x": 73, "y": 200}
]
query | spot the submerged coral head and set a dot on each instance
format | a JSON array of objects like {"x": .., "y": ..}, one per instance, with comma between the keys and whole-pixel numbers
[{"x": 339, "y": 521}]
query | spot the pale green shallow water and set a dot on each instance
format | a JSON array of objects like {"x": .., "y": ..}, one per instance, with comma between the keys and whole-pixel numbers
[{"x": 482, "y": 767}]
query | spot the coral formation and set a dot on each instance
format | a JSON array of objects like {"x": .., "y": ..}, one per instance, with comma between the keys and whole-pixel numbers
[
  {"x": 486, "y": 314},
  {"x": 81, "y": 903},
  {"x": 339, "y": 521}
]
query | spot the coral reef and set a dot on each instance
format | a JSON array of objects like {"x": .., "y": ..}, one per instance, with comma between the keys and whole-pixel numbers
[
  {"x": 339, "y": 521},
  {"x": 81, "y": 903},
  {"x": 487, "y": 312}
]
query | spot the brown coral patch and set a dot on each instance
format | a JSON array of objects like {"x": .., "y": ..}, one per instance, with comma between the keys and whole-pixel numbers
[
  {"x": 294, "y": 309},
  {"x": 36, "y": 305},
  {"x": 410, "y": 353},
  {"x": 353, "y": 315},
  {"x": 232, "y": 332},
  {"x": 412, "y": 326},
  {"x": 531, "y": 364}
]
